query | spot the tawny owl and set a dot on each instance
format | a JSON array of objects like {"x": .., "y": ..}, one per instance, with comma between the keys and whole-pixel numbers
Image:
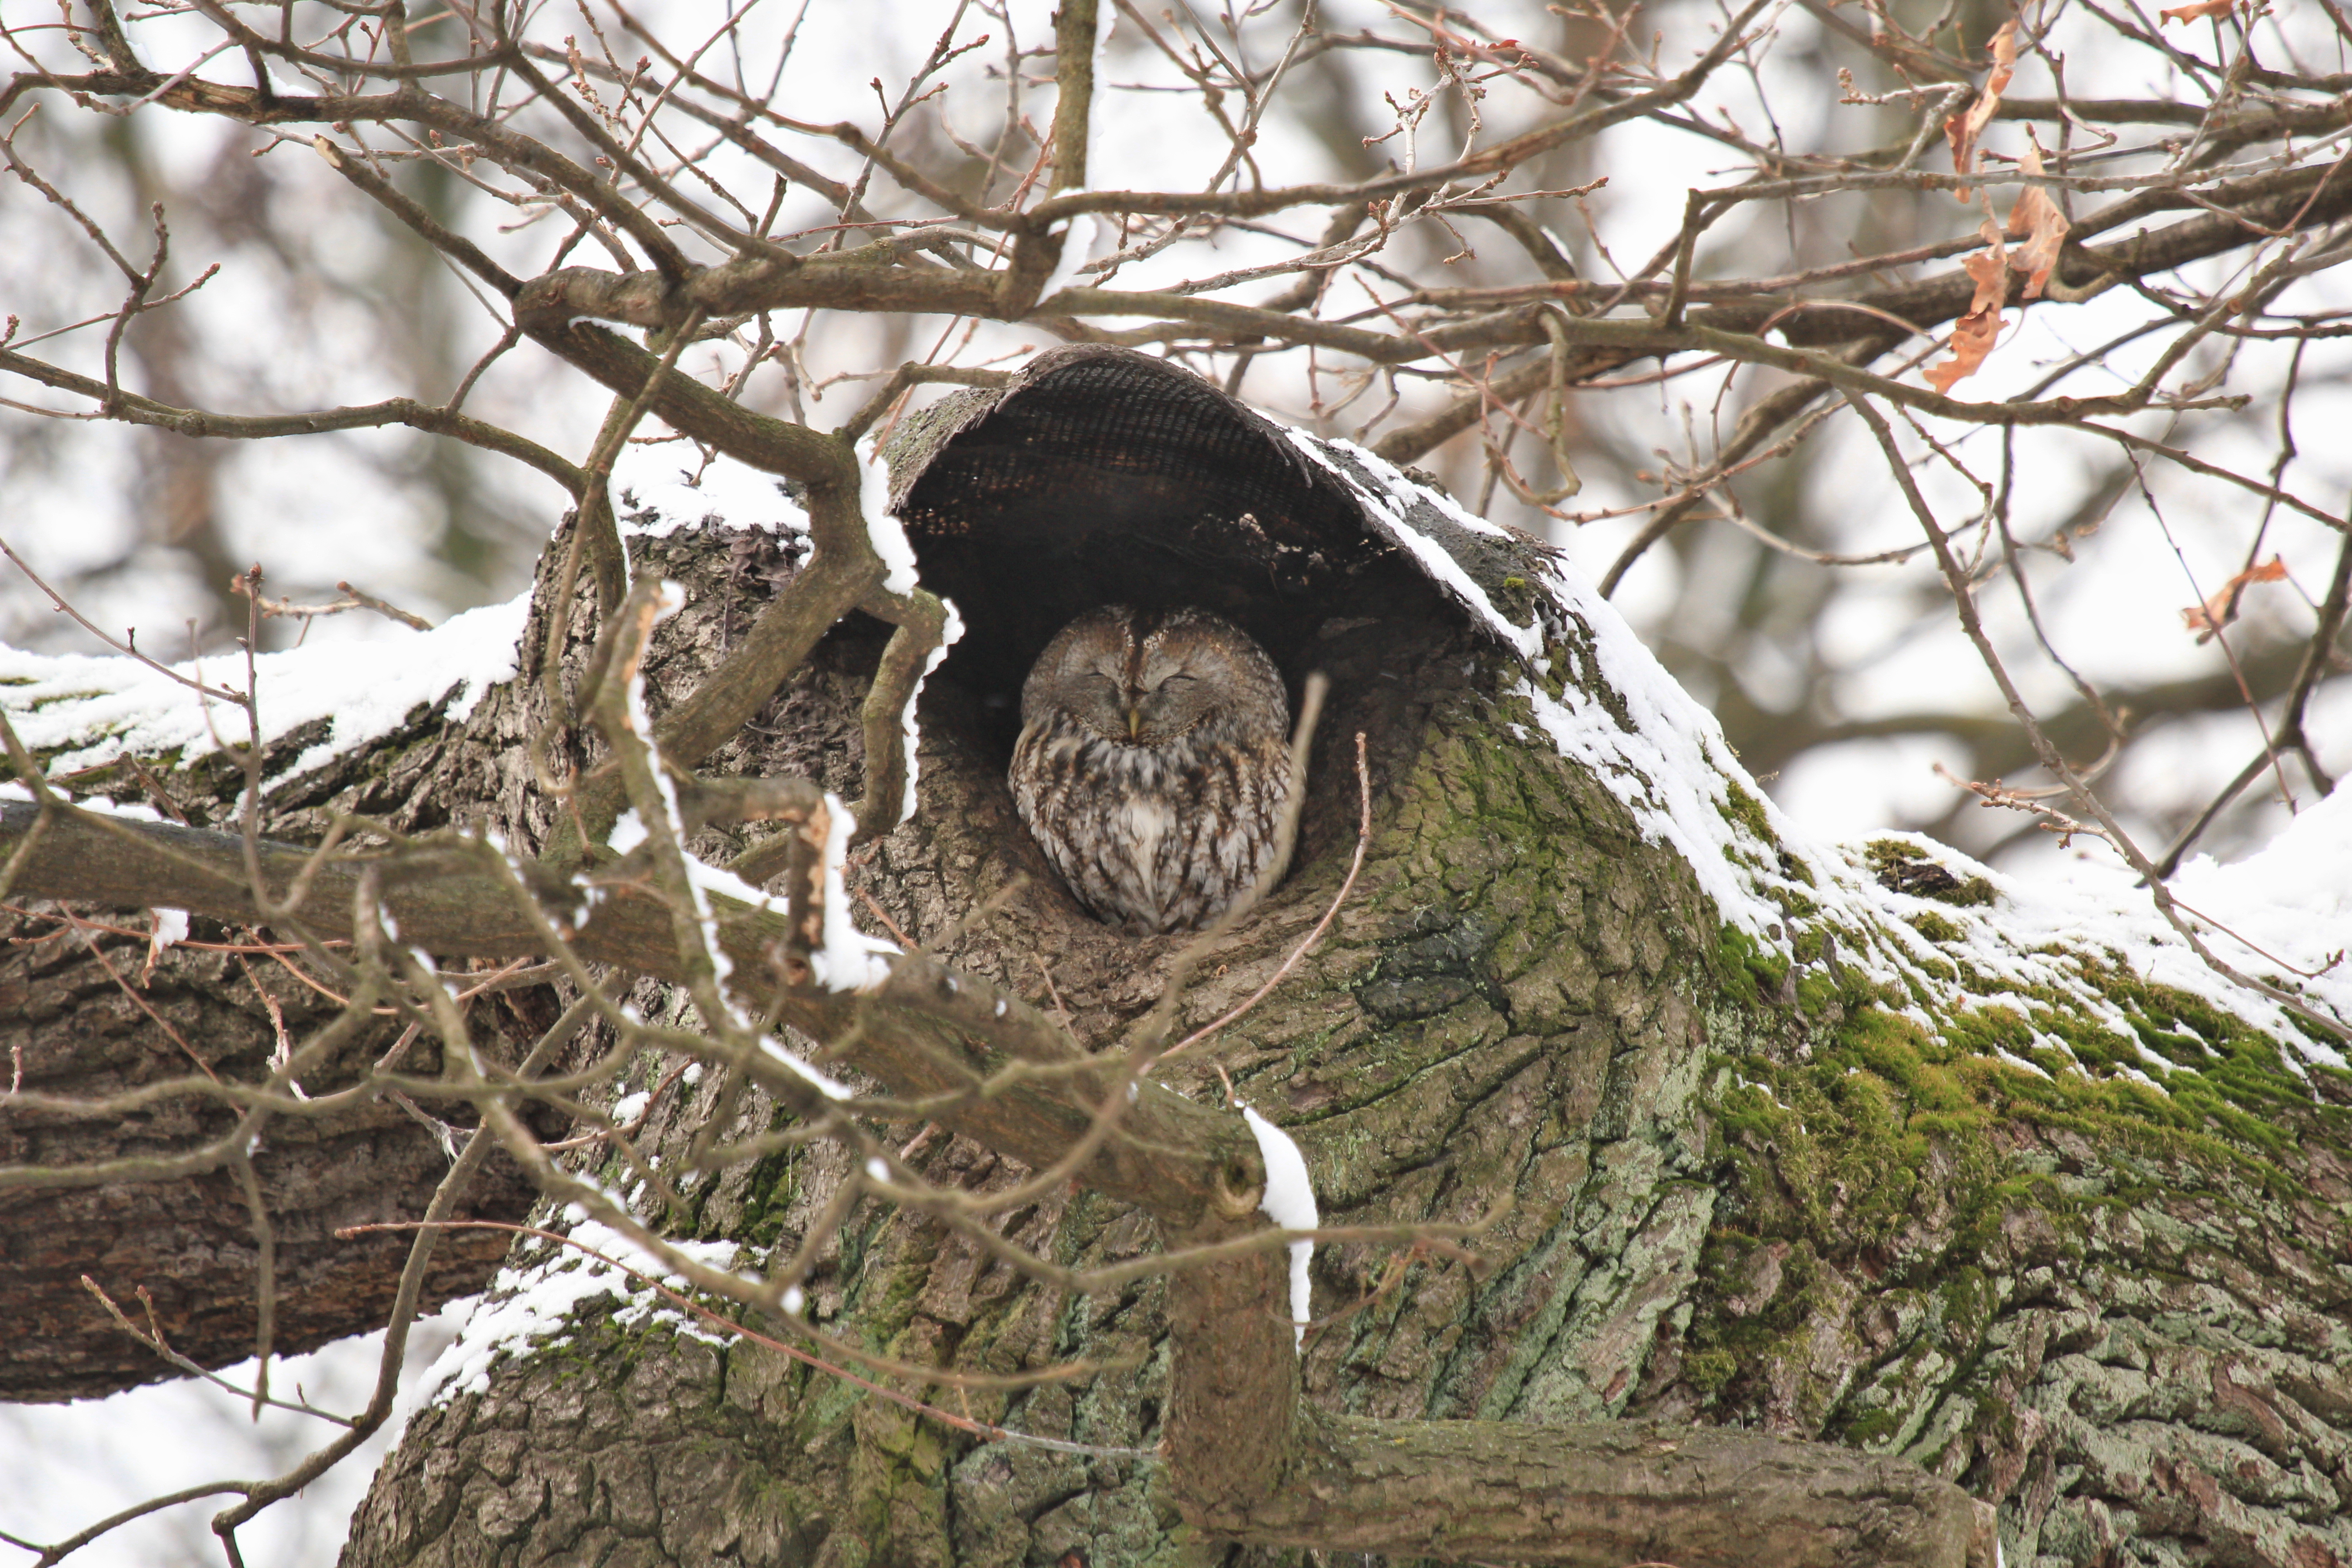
[{"x": 1153, "y": 763}]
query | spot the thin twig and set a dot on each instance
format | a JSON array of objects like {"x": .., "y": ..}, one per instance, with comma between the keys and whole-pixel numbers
[{"x": 1307, "y": 945}]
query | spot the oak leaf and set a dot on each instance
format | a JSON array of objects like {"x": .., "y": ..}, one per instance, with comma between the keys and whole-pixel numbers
[
  {"x": 2218, "y": 610},
  {"x": 1974, "y": 334},
  {"x": 2201, "y": 9},
  {"x": 2036, "y": 220},
  {"x": 1963, "y": 129}
]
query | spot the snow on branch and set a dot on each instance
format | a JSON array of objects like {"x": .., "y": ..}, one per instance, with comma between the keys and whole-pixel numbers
[{"x": 82, "y": 711}]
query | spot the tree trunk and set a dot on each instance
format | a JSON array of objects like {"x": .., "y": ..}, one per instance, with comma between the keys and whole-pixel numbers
[
  {"x": 2121, "y": 1320},
  {"x": 1717, "y": 1187}
]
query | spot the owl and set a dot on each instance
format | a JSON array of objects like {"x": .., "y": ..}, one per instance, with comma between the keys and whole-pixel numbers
[{"x": 1153, "y": 763}]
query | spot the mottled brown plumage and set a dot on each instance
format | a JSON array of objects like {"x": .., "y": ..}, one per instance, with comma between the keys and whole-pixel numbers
[{"x": 1153, "y": 763}]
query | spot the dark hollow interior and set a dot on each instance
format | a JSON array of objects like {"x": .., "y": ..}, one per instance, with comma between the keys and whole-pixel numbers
[{"x": 1121, "y": 479}]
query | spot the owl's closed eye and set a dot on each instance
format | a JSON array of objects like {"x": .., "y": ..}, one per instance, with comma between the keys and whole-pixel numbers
[{"x": 1152, "y": 763}]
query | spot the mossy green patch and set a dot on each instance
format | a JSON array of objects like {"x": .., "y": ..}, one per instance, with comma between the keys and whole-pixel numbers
[
  {"x": 1935, "y": 928},
  {"x": 1751, "y": 972},
  {"x": 774, "y": 1185},
  {"x": 1515, "y": 598},
  {"x": 1744, "y": 810},
  {"x": 1879, "y": 1161}
]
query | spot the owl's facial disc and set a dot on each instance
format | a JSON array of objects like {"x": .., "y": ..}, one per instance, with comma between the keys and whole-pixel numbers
[
  {"x": 1141, "y": 701},
  {"x": 1133, "y": 681},
  {"x": 1168, "y": 702},
  {"x": 1100, "y": 696}
]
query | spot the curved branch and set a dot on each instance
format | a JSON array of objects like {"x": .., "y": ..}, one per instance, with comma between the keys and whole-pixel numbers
[
  {"x": 511, "y": 148},
  {"x": 133, "y": 409}
]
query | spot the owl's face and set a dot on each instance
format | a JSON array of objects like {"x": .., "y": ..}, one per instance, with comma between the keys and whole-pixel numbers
[
  {"x": 1152, "y": 765},
  {"x": 1144, "y": 679}
]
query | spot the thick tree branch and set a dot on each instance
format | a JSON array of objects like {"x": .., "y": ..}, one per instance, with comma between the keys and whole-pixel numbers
[
  {"x": 929, "y": 1031},
  {"x": 1604, "y": 1495}
]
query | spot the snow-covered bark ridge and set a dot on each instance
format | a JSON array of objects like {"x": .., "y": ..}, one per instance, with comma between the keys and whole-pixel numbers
[
  {"x": 77, "y": 712},
  {"x": 1591, "y": 690}
]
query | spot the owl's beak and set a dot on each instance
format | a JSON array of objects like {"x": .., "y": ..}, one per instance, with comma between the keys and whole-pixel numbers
[{"x": 1134, "y": 724}]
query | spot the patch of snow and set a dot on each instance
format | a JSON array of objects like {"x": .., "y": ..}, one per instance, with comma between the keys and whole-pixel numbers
[
  {"x": 1390, "y": 502},
  {"x": 1405, "y": 490},
  {"x": 713, "y": 878},
  {"x": 170, "y": 928},
  {"x": 1667, "y": 761},
  {"x": 2040, "y": 930},
  {"x": 1289, "y": 1202},
  {"x": 1659, "y": 769},
  {"x": 129, "y": 810},
  {"x": 2281, "y": 906},
  {"x": 849, "y": 960},
  {"x": 655, "y": 494},
  {"x": 2294, "y": 894},
  {"x": 629, "y": 1107},
  {"x": 89, "y": 709},
  {"x": 951, "y": 634},
  {"x": 2020, "y": 1063},
  {"x": 667, "y": 602},
  {"x": 532, "y": 1303},
  {"x": 1078, "y": 242},
  {"x": 825, "y": 1085},
  {"x": 1741, "y": 1080},
  {"x": 888, "y": 535}
]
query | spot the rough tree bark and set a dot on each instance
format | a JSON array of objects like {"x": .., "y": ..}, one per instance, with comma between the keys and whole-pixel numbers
[{"x": 1724, "y": 1189}]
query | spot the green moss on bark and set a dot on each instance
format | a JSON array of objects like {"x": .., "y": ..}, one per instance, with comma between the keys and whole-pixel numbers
[{"x": 1932, "y": 1244}]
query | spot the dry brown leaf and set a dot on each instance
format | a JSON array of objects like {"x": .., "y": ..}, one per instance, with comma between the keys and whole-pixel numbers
[
  {"x": 2218, "y": 610},
  {"x": 1963, "y": 129},
  {"x": 1974, "y": 334},
  {"x": 2036, "y": 220},
  {"x": 2191, "y": 13}
]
